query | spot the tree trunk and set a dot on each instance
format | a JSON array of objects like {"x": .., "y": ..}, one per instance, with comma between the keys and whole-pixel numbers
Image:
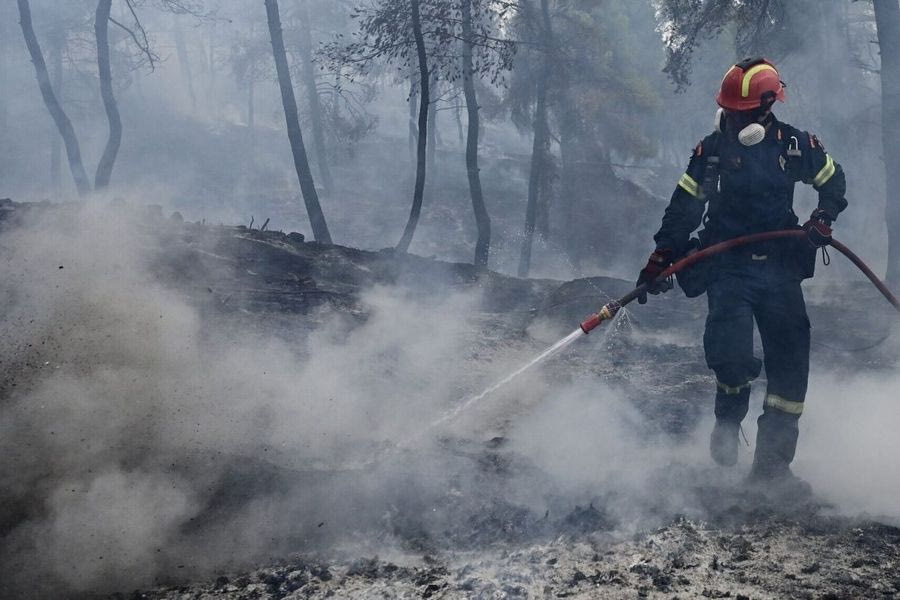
[
  {"x": 413, "y": 130},
  {"x": 422, "y": 133},
  {"x": 312, "y": 96},
  {"x": 457, "y": 109},
  {"x": 535, "y": 176},
  {"x": 184, "y": 62},
  {"x": 289, "y": 102},
  {"x": 482, "y": 218},
  {"x": 101, "y": 32},
  {"x": 56, "y": 143},
  {"x": 887, "y": 19},
  {"x": 432, "y": 126},
  {"x": 539, "y": 147},
  {"x": 73, "y": 152}
]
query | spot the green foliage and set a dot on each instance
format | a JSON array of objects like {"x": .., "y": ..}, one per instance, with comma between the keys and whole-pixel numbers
[
  {"x": 774, "y": 28},
  {"x": 601, "y": 81}
]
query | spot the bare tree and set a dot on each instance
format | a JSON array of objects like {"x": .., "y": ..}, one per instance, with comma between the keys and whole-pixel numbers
[
  {"x": 419, "y": 190},
  {"x": 289, "y": 102},
  {"x": 63, "y": 124},
  {"x": 427, "y": 35},
  {"x": 101, "y": 32},
  {"x": 482, "y": 218},
  {"x": 56, "y": 58},
  {"x": 541, "y": 142}
]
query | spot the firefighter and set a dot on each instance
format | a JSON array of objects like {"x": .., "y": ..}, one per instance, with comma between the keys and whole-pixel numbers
[{"x": 740, "y": 180}]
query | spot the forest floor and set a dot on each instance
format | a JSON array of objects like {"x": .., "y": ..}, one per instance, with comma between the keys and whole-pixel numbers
[{"x": 495, "y": 522}]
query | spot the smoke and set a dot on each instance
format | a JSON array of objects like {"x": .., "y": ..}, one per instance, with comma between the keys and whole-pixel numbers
[
  {"x": 136, "y": 434},
  {"x": 849, "y": 442},
  {"x": 146, "y": 438},
  {"x": 593, "y": 444}
]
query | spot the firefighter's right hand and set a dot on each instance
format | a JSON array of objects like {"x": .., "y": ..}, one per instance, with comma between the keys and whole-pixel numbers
[{"x": 656, "y": 264}]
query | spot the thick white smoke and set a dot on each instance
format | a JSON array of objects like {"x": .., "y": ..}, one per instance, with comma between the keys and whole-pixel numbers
[
  {"x": 124, "y": 408},
  {"x": 141, "y": 432},
  {"x": 849, "y": 442}
]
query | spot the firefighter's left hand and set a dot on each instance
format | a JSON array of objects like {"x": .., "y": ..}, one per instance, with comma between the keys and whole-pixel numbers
[
  {"x": 656, "y": 264},
  {"x": 818, "y": 228}
]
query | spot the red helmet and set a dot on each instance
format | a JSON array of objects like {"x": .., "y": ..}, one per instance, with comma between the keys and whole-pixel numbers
[{"x": 746, "y": 85}]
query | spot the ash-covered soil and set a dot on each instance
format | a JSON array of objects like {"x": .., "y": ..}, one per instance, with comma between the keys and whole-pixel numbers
[
  {"x": 766, "y": 557},
  {"x": 476, "y": 509}
]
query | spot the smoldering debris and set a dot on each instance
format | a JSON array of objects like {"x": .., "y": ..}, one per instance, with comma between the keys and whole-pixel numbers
[
  {"x": 172, "y": 412},
  {"x": 768, "y": 559}
]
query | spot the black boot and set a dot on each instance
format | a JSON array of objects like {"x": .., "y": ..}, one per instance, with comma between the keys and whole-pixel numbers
[
  {"x": 731, "y": 408},
  {"x": 776, "y": 443},
  {"x": 724, "y": 441}
]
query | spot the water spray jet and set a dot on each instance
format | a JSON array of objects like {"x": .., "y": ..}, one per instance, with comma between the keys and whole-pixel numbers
[{"x": 613, "y": 307}]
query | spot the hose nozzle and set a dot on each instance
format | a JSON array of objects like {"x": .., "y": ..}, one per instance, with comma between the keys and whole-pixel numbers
[{"x": 606, "y": 313}]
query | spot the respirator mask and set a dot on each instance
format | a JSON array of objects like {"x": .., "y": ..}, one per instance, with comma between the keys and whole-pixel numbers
[{"x": 748, "y": 123}]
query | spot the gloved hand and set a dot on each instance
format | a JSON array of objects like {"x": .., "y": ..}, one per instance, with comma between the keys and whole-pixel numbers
[
  {"x": 656, "y": 264},
  {"x": 818, "y": 228}
]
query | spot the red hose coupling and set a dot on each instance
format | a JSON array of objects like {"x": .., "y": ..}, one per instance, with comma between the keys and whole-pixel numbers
[{"x": 606, "y": 313}]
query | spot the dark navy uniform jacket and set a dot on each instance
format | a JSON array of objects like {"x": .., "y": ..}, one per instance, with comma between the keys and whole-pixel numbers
[{"x": 755, "y": 188}]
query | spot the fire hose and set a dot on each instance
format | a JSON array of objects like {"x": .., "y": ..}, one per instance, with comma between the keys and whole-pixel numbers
[{"x": 611, "y": 308}]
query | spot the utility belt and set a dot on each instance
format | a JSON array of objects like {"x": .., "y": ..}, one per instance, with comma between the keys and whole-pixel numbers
[{"x": 795, "y": 256}]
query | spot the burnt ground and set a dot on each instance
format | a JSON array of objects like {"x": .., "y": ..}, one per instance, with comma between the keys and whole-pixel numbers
[{"x": 688, "y": 530}]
